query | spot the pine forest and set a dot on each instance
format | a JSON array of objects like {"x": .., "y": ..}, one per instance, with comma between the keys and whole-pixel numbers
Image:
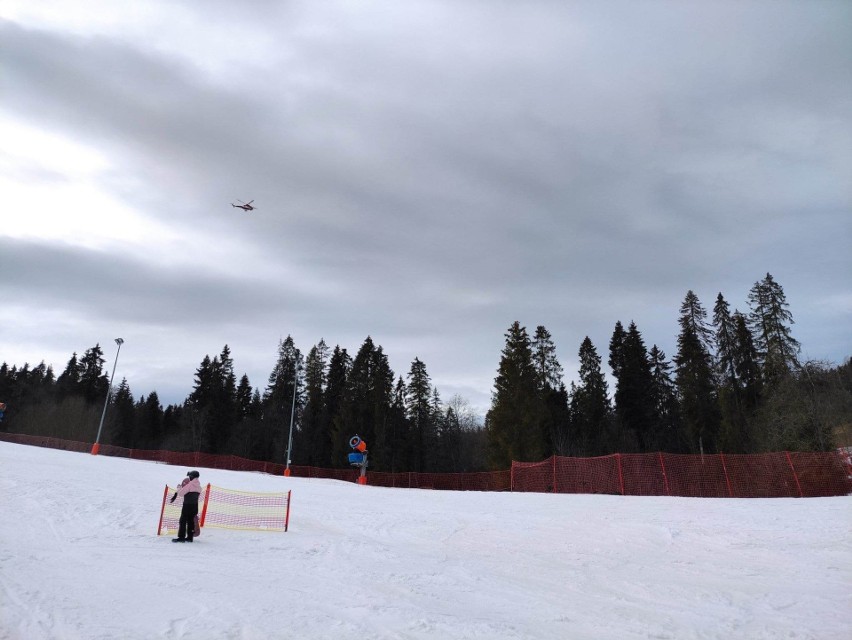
[{"x": 736, "y": 384}]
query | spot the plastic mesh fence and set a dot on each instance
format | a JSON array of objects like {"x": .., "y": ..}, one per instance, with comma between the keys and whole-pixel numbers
[
  {"x": 229, "y": 509},
  {"x": 764, "y": 475},
  {"x": 170, "y": 514}
]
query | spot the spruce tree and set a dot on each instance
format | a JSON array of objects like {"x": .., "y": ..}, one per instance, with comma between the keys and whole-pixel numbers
[
  {"x": 122, "y": 417},
  {"x": 419, "y": 413},
  {"x": 244, "y": 395},
  {"x": 94, "y": 384},
  {"x": 725, "y": 342},
  {"x": 402, "y": 453},
  {"x": 332, "y": 423},
  {"x": 514, "y": 422},
  {"x": 553, "y": 397},
  {"x": 315, "y": 439},
  {"x": 699, "y": 407},
  {"x": 547, "y": 367},
  {"x": 733, "y": 426},
  {"x": 633, "y": 401},
  {"x": 149, "y": 422},
  {"x": 365, "y": 406},
  {"x": 278, "y": 402},
  {"x": 68, "y": 382},
  {"x": 746, "y": 363},
  {"x": 590, "y": 408},
  {"x": 224, "y": 410},
  {"x": 769, "y": 322},
  {"x": 664, "y": 399}
]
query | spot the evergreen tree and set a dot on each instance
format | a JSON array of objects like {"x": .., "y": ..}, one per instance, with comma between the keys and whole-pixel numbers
[
  {"x": 224, "y": 409},
  {"x": 122, "y": 417},
  {"x": 316, "y": 444},
  {"x": 381, "y": 398},
  {"x": 694, "y": 378},
  {"x": 278, "y": 402},
  {"x": 590, "y": 408},
  {"x": 332, "y": 424},
  {"x": 438, "y": 456},
  {"x": 746, "y": 364},
  {"x": 365, "y": 406},
  {"x": 664, "y": 399},
  {"x": 420, "y": 414},
  {"x": 149, "y": 422},
  {"x": 770, "y": 320},
  {"x": 733, "y": 432},
  {"x": 94, "y": 384},
  {"x": 553, "y": 396},
  {"x": 633, "y": 400},
  {"x": 514, "y": 422},
  {"x": 68, "y": 383},
  {"x": 244, "y": 395},
  {"x": 547, "y": 368},
  {"x": 726, "y": 342},
  {"x": 402, "y": 455},
  {"x": 616, "y": 352}
]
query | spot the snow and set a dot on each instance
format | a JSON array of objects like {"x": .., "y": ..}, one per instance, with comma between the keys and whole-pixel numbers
[{"x": 80, "y": 558}]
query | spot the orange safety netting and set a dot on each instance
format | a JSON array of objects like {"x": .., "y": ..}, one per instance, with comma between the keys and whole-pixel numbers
[
  {"x": 766, "y": 475},
  {"x": 759, "y": 475}
]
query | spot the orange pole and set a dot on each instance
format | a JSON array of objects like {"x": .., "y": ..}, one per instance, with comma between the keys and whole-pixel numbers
[
  {"x": 665, "y": 477},
  {"x": 287, "y": 517},
  {"x": 95, "y": 448},
  {"x": 620, "y": 474},
  {"x": 727, "y": 481},
  {"x": 162, "y": 508},
  {"x": 553, "y": 457},
  {"x": 204, "y": 509},
  {"x": 795, "y": 476},
  {"x": 287, "y": 472}
]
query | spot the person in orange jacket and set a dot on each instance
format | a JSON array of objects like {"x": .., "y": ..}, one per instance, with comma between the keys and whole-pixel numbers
[{"x": 189, "y": 490}]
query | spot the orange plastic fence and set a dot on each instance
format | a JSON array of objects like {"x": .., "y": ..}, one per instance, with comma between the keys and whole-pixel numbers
[{"x": 766, "y": 475}]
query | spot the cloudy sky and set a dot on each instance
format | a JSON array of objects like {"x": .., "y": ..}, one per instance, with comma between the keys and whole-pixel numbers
[{"x": 424, "y": 172}]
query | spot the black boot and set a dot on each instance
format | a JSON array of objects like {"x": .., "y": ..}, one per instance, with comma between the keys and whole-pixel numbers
[{"x": 178, "y": 540}]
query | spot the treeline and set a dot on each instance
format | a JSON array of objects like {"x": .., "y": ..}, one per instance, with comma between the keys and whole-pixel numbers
[{"x": 735, "y": 385}]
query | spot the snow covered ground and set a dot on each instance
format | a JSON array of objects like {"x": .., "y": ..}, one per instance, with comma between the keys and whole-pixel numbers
[{"x": 80, "y": 559}]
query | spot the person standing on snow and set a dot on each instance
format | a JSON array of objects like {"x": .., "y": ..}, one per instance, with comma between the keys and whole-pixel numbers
[{"x": 190, "y": 490}]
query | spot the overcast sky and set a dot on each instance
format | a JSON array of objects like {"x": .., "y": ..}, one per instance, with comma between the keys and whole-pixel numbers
[{"x": 425, "y": 173}]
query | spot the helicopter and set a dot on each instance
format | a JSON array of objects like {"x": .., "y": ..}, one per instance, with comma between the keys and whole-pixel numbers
[{"x": 245, "y": 206}]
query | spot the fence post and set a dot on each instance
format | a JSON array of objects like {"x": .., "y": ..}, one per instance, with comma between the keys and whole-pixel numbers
[
  {"x": 553, "y": 484},
  {"x": 620, "y": 474},
  {"x": 665, "y": 477},
  {"x": 162, "y": 509},
  {"x": 204, "y": 509},
  {"x": 795, "y": 475},
  {"x": 725, "y": 469},
  {"x": 287, "y": 517}
]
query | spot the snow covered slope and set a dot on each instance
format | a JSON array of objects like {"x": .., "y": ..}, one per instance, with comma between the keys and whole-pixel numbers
[{"x": 80, "y": 559}]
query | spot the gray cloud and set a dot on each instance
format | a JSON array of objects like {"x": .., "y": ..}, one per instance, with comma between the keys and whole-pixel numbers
[{"x": 429, "y": 173}]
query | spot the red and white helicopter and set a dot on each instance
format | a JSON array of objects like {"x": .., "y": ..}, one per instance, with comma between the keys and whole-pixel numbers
[{"x": 245, "y": 206}]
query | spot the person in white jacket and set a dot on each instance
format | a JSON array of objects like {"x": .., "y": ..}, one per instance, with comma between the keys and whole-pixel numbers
[{"x": 189, "y": 490}]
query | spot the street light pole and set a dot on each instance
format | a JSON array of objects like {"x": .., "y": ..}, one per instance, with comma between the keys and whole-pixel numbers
[
  {"x": 96, "y": 447},
  {"x": 292, "y": 414}
]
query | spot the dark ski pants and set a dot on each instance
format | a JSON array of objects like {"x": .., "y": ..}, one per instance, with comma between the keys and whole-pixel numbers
[{"x": 186, "y": 526}]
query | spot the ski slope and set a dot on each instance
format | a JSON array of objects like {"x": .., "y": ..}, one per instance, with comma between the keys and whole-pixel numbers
[{"x": 80, "y": 559}]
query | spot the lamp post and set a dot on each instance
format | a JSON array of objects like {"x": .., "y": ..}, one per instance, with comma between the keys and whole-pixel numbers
[
  {"x": 97, "y": 445},
  {"x": 292, "y": 414}
]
